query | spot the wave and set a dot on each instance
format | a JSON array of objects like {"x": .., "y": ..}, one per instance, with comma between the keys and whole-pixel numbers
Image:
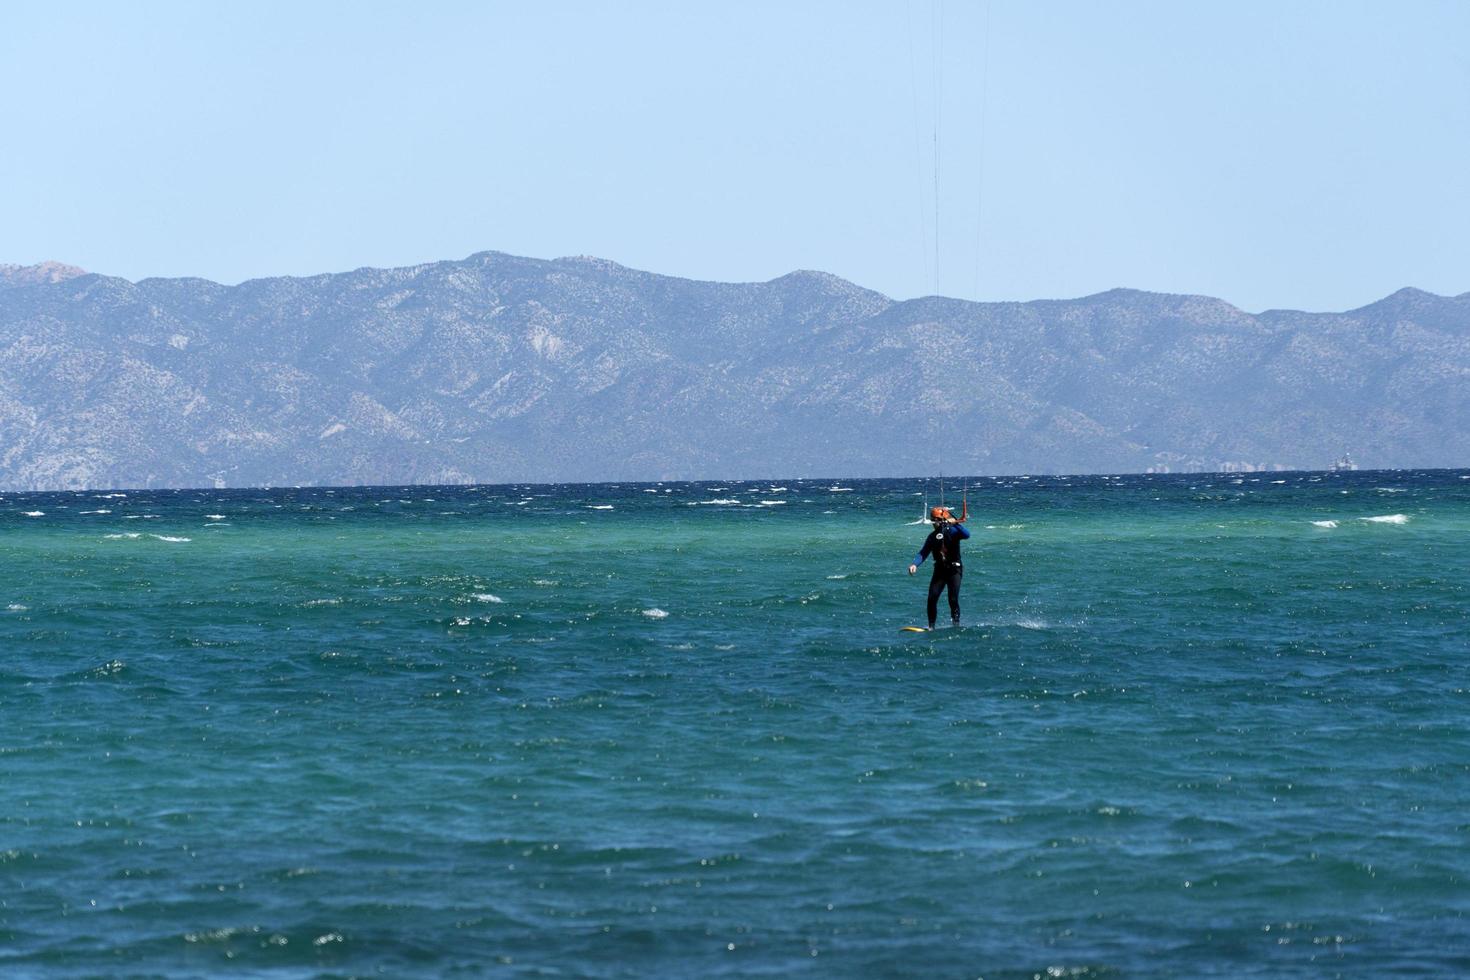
[
  {"x": 599, "y": 506},
  {"x": 487, "y": 597},
  {"x": 130, "y": 534},
  {"x": 35, "y": 513},
  {"x": 94, "y": 512},
  {"x": 214, "y": 517},
  {"x": 718, "y": 500},
  {"x": 655, "y": 613},
  {"x": 172, "y": 540},
  {"x": 772, "y": 503},
  {"x": 837, "y": 578},
  {"x": 1326, "y": 524},
  {"x": 1387, "y": 519}
]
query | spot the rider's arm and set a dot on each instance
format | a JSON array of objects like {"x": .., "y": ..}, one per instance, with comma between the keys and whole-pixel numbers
[
  {"x": 923, "y": 552},
  {"x": 959, "y": 531}
]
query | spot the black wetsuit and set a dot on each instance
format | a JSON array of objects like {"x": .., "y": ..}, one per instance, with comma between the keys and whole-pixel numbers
[{"x": 944, "y": 544}]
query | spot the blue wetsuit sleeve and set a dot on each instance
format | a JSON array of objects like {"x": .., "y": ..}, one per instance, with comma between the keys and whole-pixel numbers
[
  {"x": 923, "y": 553},
  {"x": 960, "y": 532}
]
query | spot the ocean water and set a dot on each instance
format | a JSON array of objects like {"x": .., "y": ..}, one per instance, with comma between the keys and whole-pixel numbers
[{"x": 1209, "y": 726}]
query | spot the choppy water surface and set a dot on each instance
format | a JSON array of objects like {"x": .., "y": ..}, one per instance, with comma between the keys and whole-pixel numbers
[{"x": 1194, "y": 726}]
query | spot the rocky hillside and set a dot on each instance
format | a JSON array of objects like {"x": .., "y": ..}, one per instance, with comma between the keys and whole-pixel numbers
[{"x": 499, "y": 368}]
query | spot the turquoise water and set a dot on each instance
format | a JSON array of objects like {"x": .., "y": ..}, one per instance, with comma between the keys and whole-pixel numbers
[{"x": 1185, "y": 731}]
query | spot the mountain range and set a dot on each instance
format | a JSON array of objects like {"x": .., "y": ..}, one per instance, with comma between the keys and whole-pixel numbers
[{"x": 498, "y": 368}]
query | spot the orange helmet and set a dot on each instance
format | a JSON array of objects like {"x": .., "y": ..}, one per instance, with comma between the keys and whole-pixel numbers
[{"x": 939, "y": 514}]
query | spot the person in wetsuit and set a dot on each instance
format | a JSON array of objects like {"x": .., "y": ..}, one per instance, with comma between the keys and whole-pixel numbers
[{"x": 943, "y": 543}]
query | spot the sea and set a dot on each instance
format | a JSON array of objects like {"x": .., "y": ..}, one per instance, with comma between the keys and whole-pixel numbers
[{"x": 1203, "y": 725}]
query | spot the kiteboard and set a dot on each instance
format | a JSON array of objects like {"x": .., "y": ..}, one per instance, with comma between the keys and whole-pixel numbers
[{"x": 915, "y": 629}]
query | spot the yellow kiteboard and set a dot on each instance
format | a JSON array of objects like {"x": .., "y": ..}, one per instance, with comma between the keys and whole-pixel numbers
[{"x": 915, "y": 629}]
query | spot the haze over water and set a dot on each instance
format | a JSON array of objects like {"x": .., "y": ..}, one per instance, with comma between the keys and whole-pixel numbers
[{"x": 1202, "y": 725}]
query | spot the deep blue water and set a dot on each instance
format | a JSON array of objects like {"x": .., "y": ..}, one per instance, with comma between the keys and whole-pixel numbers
[{"x": 1204, "y": 725}]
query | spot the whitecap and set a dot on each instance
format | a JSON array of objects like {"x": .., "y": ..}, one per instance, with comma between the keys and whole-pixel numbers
[
  {"x": 130, "y": 534},
  {"x": 720, "y": 500},
  {"x": 94, "y": 512},
  {"x": 839, "y": 489},
  {"x": 836, "y": 578},
  {"x": 322, "y": 602},
  {"x": 655, "y": 613},
  {"x": 1326, "y": 524},
  {"x": 1387, "y": 519},
  {"x": 214, "y": 517},
  {"x": 165, "y": 537},
  {"x": 35, "y": 513},
  {"x": 487, "y": 597},
  {"x": 544, "y": 581},
  {"x": 16, "y": 607},
  {"x": 599, "y": 506},
  {"x": 772, "y": 503}
]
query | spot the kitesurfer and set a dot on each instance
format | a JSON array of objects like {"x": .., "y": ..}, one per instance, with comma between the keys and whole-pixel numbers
[{"x": 944, "y": 544}]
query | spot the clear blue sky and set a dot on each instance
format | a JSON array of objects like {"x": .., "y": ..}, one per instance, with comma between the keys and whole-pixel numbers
[{"x": 1276, "y": 154}]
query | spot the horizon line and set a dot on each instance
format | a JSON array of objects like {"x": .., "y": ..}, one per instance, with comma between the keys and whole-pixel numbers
[
  {"x": 743, "y": 479},
  {"x": 78, "y": 273}
]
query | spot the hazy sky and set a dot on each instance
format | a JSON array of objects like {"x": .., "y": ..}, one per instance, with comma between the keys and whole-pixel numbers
[{"x": 1276, "y": 154}]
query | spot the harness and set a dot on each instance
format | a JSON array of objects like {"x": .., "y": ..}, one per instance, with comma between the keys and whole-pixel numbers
[{"x": 941, "y": 549}]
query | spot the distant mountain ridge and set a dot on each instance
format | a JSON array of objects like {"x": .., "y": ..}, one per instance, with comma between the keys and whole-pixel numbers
[
  {"x": 41, "y": 272},
  {"x": 499, "y": 368}
]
